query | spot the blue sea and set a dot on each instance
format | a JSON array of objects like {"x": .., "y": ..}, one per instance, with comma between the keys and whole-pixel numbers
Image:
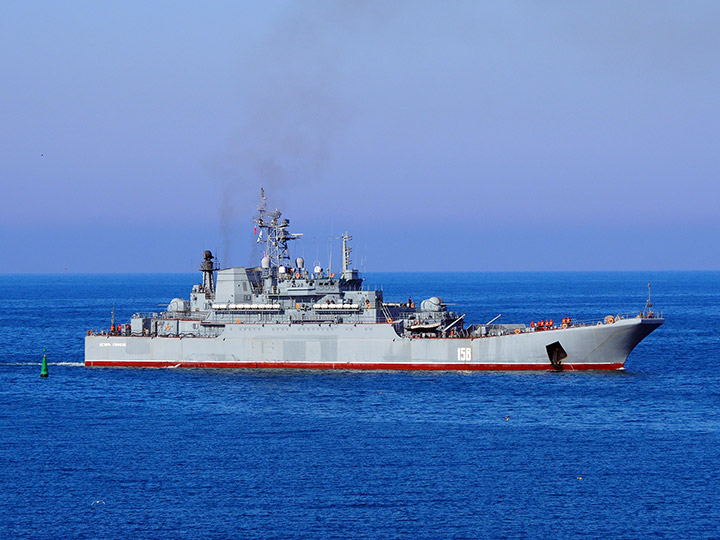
[{"x": 173, "y": 453}]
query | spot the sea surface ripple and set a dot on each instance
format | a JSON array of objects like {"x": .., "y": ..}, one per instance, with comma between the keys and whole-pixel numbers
[{"x": 174, "y": 453}]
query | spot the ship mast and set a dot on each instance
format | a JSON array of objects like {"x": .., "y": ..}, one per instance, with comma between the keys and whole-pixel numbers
[
  {"x": 346, "y": 253},
  {"x": 648, "y": 312},
  {"x": 208, "y": 268},
  {"x": 274, "y": 234}
]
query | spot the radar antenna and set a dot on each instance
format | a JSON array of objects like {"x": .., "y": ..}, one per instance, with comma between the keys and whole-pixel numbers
[{"x": 276, "y": 235}]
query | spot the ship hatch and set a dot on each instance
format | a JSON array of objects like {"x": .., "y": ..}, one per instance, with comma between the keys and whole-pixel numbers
[{"x": 556, "y": 354}]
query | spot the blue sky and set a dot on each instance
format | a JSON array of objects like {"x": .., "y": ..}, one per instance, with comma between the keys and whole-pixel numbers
[{"x": 441, "y": 135}]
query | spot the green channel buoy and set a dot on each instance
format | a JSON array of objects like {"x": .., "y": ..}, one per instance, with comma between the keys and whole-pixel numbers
[{"x": 44, "y": 372}]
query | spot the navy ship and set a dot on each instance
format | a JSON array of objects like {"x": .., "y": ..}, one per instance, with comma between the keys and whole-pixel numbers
[{"x": 286, "y": 315}]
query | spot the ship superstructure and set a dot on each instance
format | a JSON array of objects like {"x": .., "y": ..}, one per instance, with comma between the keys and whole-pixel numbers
[{"x": 285, "y": 315}]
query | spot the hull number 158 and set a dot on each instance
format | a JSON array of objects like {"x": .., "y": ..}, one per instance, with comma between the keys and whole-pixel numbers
[{"x": 464, "y": 354}]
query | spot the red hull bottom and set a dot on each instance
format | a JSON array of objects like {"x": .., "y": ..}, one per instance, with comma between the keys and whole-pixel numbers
[{"x": 393, "y": 366}]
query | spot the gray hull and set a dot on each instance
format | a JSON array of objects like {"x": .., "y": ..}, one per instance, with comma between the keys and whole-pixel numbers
[{"x": 375, "y": 346}]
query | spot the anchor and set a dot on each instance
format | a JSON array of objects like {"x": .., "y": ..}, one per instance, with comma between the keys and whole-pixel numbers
[{"x": 556, "y": 354}]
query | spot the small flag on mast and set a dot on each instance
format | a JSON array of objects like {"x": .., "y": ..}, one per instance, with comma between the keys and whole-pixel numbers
[{"x": 259, "y": 238}]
